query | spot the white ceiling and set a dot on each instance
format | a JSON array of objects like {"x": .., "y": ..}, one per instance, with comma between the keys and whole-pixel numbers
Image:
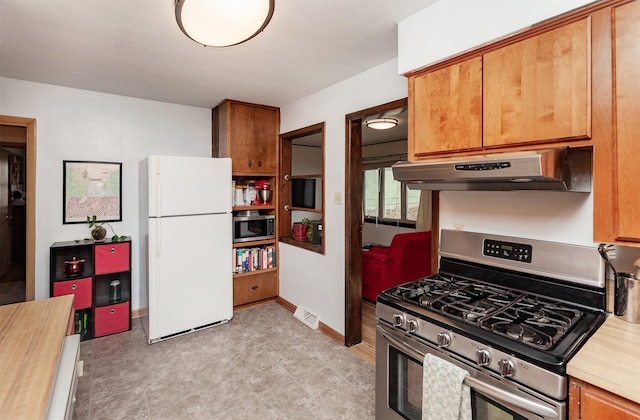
[
  {"x": 370, "y": 136},
  {"x": 135, "y": 48}
]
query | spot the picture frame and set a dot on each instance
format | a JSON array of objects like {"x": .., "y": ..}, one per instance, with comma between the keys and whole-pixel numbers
[{"x": 91, "y": 188}]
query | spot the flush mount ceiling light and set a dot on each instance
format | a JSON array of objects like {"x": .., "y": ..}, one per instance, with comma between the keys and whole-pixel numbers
[
  {"x": 223, "y": 23},
  {"x": 381, "y": 123}
]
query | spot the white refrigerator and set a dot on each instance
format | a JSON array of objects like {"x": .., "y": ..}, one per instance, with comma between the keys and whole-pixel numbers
[{"x": 185, "y": 223}]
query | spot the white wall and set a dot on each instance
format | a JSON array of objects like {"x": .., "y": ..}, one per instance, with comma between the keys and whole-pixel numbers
[
  {"x": 308, "y": 279},
  {"x": 73, "y": 124},
  {"x": 449, "y": 27},
  {"x": 552, "y": 216},
  {"x": 381, "y": 234},
  {"x": 389, "y": 152},
  {"x": 306, "y": 160}
]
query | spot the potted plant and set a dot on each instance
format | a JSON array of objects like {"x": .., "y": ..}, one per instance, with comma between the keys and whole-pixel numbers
[
  {"x": 98, "y": 232},
  {"x": 309, "y": 223},
  {"x": 300, "y": 231}
]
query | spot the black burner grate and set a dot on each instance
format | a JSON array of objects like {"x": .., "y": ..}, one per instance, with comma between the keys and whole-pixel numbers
[{"x": 532, "y": 320}]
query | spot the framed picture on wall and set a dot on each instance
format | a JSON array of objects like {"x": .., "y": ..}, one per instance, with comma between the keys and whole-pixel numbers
[{"x": 91, "y": 188}]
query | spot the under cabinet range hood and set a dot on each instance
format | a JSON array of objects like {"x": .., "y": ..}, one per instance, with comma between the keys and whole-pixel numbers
[{"x": 558, "y": 169}]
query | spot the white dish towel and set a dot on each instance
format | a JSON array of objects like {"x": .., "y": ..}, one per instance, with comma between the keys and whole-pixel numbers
[{"x": 444, "y": 395}]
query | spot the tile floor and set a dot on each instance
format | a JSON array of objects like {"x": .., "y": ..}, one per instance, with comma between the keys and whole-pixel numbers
[{"x": 264, "y": 364}]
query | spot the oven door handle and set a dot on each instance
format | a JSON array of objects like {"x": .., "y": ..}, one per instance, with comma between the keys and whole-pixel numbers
[
  {"x": 480, "y": 386},
  {"x": 505, "y": 396},
  {"x": 402, "y": 346}
]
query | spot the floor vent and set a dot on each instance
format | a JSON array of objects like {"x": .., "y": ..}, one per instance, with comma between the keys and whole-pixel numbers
[{"x": 306, "y": 317}]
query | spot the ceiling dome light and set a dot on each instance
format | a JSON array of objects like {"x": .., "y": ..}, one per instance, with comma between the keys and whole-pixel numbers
[
  {"x": 223, "y": 23},
  {"x": 381, "y": 123}
]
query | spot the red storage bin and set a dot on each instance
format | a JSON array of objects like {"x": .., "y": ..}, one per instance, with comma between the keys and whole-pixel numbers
[
  {"x": 112, "y": 258},
  {"x": 81, "y": 288},
  {"x": 111, "y": 319}
]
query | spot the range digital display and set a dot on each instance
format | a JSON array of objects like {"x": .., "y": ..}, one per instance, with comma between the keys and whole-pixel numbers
[{"x": 508, "y": 250}]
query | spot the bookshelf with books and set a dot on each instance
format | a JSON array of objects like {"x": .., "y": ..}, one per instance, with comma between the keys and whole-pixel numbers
[
  {"x": 255, "y": 274},
  {"x": 254, "y": 259}
]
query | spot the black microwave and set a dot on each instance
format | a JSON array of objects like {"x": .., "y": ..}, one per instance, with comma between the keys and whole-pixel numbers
[{"x": 254, "y": 228}]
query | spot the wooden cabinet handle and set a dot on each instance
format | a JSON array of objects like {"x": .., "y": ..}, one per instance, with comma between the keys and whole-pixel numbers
[
  {"x": 259, "y": 164},
  {"x": 254, "y": 287},
  {"x": 250, "y": 163}
]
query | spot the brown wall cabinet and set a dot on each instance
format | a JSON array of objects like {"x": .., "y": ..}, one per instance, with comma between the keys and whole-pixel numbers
[
  {"x": 538, "y": 89},
  {"x": 588, "y": 402},
  {"x": 248, "y": 134},
  {"x": 626, "y": 145},
  {"x": 445, "y": 108},
  {"x": 616, "y": 201},
  {"x": 533, "y": 91}
]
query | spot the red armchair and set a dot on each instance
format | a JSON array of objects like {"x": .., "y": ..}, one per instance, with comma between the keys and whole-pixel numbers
[{"x": 407, "y": 258}]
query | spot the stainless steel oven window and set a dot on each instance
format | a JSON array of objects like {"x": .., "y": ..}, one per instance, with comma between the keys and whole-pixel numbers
[{"x": 405, "y": 385}]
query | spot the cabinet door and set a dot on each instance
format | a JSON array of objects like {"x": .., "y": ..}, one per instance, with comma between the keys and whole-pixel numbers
[
  {"x": 241, "y": 140},
  {"x": 590, "y": 402},
  {"x": 595, "y": 404},
  {"x": 111, "y": 319},
  {"x": 445, "y": 109},
  {"x": 538, "y": 89},
  {"x": 112, "y": 258},
  {"x": 266, "y": 140},
  {"x": 627, "y": 146},
  {"x": 254, "y": 286},
  {"x": 80, "y": 288}
]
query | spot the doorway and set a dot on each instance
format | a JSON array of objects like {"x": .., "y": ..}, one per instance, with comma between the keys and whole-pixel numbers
[
  {"x": 13, "y": 221},
  {"x": 354, "y": 219},
  {"x": 18, "y": 140}
]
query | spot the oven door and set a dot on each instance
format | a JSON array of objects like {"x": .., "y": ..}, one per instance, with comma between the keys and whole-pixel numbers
[{"x": 399, "y": 359}]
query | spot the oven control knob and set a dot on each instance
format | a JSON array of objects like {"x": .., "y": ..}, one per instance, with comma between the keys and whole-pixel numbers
[
  {"x": 398, "y": 320},
  {"x": 412, "y": 325},
  {"x": 483, "y": 357},
  {"x": 507, "y": 367},
  {"x": 444, "y": 339}
]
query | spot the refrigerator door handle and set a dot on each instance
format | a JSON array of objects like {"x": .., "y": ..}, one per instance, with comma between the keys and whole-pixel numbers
[
  {"x": 158, "y": 237},
  {"x": 158, "y": 202}
]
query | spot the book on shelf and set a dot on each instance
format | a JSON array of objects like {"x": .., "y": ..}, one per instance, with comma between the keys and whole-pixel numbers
[{"x": 254, "y": 258}]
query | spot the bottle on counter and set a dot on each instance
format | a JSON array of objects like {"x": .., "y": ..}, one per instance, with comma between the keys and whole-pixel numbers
[{"x": 251, "y": 193}]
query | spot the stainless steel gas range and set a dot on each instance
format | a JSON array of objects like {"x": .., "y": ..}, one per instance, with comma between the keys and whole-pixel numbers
[{"x": 510, "y": 311}]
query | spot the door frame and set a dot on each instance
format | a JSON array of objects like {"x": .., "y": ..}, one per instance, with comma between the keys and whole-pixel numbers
[
  {"x": 30, "y": 125},
  {"x": 354, "y": 219}
]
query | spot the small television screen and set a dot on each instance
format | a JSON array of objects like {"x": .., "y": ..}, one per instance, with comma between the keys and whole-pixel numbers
[{"x": 303, "y": 193}]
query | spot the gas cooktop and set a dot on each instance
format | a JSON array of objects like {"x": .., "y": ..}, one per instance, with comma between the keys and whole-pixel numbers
[
  {"x": 534, "y": 299},
  {"x": 533, "y": 320}
]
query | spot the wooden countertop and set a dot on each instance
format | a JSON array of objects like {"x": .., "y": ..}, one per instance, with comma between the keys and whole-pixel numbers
[
  {"x": 610, "y": 358},
  {"x": 31, "y": 337}
]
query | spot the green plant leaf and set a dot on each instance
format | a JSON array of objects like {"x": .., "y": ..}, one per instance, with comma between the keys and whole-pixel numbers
[{"x": 93, "y": 221}]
